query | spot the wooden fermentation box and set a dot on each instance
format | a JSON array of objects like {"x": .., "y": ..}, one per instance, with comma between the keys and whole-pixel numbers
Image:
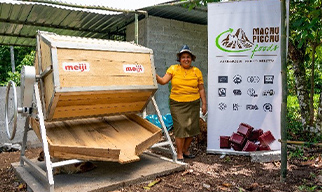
[
  {"x": 90, "y": 91},
  {"x": 91, "y": 77}
]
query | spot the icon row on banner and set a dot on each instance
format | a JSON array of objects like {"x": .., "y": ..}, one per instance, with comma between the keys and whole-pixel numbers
[
  {"x": 222, "y": 92},
  {"x": 238, "y": 79},
  {"x": 267, "y": 107}
]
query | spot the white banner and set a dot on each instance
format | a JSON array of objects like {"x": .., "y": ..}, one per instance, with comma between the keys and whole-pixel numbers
[{"x": 244, "y": 79}]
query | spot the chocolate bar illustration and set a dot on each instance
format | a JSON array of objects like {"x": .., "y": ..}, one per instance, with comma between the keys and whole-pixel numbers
[
  {"x": 224, "y": 142},
  {"x": 247, "y": 139},
  {"x": 245, "y": 129},
  {"x": 250, "y": 146},
  {"x": 266, "y": 138},
  {"x": 255, "y": 134}
]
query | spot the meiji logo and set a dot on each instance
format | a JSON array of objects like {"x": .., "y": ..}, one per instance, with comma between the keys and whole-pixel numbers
[
  {"x": 75, "y": 66},
  {"x": 133, "y": 68}
]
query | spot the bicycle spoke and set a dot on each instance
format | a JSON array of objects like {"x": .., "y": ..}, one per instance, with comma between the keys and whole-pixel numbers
[{"x": 11, "y": 120}]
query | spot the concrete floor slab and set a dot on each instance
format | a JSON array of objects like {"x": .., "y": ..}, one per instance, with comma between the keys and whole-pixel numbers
[
  {"x": 265, "y": 156},
  {"x": 107, "y": 176}
]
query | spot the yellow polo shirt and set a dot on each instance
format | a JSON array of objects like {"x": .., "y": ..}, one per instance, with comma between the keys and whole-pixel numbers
[{"x": 185, "y": 83}]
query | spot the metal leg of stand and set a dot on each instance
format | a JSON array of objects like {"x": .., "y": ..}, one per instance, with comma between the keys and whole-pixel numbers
[
  {"x": 24, "y": 141},
  {"x": 49, "y": 171},
  {"x": 166, "y": 133}
]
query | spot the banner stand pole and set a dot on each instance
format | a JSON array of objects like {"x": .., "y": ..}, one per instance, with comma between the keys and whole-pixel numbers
[{"x": 284, "y": 94}]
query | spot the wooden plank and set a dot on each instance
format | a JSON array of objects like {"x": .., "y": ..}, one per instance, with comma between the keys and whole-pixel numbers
[
  {"x": 109, "y": 91},
  {"x": 96, "y": 110},
  {"x": 84, "y": 153},
  {"x": 45, "y": 61},
  {"x": 81, "y": 132},
  {"x": 48, "y": 80},
  {"x": 45, "y": 55},
  {"x": 93, "y": 98},
  {"x": 128, "y": 135},
  {"x": 144, "y": 123},
  {"x": 141, "y": 147},
  {"x": 117, "y": 88},
  {"x": 78, "y": 139},
  {"x": 48, "y": 90},
  {"x": 52, "y": 107},
  {"x": 149, "y": 126},
  {"x": 89, "y": 138},
  {"x": 36, "y": 127},
  {"x": 92, "y": 104},
  {"x": 36, "y": 64},
  {"x": 105, "y": 68},
  {"x": 115, "y": 132}
]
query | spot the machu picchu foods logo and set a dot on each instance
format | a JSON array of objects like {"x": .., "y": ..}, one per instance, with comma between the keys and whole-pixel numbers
[
  {"x": 133, "y": 68},
  {"x": 239, "y": 42},
  {"x": 76, "y": 66}
]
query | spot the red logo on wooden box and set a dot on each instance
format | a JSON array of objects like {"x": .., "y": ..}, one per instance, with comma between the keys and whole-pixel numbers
[
  {"x": 76, "y": 66},
  {"x": 133, "y": 68}
]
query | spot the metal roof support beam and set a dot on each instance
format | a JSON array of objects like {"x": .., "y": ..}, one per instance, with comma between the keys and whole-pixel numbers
[
  {"x": 50, "y": 26},
  {"x": 177, "y": 3},
  {"x": 13, "y": 35},
  {"x": 88, "y": 6}
]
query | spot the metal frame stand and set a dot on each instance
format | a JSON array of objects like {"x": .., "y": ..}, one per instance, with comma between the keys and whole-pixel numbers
[
  {"x": 168, "y": 141},
  {"x": 46, "y": 175}
]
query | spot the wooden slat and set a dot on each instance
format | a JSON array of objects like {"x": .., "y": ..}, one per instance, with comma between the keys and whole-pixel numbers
[
  {"x": 45, "y": 55},
  {"x": 36, "y": 127},
  {"x": 108, "y": 97},
  {"x": 96, "y": 110},
  {"x": 144, "y": 123},
  {"x": 141, "y": 147},
  {"x": 92, "y": 138},
  {"x": 89, "y": 104},
  {"x": 48, "y": 80},
  {"x": 149, "y": 126},
  {"x": 125, "y": 134},
  {"x": 106, "y": 68},
  {"x": 84, "y": 153},
  {"x": 52, "y": 107}
]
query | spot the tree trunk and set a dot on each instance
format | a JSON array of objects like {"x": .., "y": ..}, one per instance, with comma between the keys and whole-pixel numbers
[
  {"x": 297, "y": 58},
  {"x": 319, "y": 116},
  {"x": 312, "y": 86}
]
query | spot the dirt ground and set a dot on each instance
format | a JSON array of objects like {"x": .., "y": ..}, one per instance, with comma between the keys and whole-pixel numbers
[{"x": 208, "y": 172}]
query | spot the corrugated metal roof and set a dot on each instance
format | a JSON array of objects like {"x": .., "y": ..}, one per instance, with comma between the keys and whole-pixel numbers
[
  {"x": 19, "y": 21},
  {"x": 179, "y": 12}
]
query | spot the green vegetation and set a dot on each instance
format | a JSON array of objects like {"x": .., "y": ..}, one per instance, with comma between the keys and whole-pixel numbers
[
  {"x": 295, "y": 127},
  {"x": 23, "y": 56}
]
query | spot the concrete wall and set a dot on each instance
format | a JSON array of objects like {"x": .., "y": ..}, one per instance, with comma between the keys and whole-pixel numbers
[
  {"x": 166, "y": 37},
  {"x": 32, "y": 138}
]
